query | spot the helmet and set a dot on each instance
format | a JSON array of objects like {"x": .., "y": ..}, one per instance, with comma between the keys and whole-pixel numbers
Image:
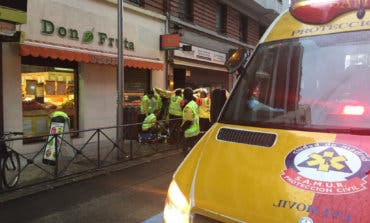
[
  {"x": 188, "y": 94},
  {"x": 178, "y": 92},
  {"x": 150, "y": 92}
]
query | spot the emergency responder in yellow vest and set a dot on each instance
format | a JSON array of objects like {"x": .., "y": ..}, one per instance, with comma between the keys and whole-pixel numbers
[
  {"x": 150, "y": 123},
  {"x": 146, "y": 106},
  {"x": 190, "y": 120},
  {"x": 150, "y": 128},
  {"x": 157, "y": 104},
  {"x": 204, "y": 103},
  {"x": 175, "y": 114},
  {"x": 175, "y": 108}
]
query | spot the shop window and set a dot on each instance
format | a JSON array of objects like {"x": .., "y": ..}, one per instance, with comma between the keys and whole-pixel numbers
[
  {"x": 221, "y": 18},
  {"x": 46, "y": 89},
  {"x": 186, "y": 10},
  {"x": 243, "y": 28},
  {"x": 137, "y": 82}
]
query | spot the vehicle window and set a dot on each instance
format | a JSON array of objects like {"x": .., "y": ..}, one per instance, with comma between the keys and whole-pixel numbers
[{"x": 312, "y": 82}]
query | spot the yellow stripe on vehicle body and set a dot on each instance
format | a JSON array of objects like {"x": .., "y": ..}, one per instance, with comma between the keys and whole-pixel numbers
[
  {"x": 243, "y": 181},
  {"x": 287, "y": 27}
]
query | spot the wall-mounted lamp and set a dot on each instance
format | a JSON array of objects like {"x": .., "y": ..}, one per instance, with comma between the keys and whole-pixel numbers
[{"x": 187, "y": 48}]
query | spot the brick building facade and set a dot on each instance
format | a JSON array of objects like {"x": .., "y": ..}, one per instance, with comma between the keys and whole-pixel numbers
[{"x": 211, "y": 29}]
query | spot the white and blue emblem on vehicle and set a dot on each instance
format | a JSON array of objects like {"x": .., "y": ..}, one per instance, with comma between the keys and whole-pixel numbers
[{"x": 327, "y": 168}]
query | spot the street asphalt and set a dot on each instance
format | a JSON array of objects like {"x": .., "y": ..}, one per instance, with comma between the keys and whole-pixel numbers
[{"x": 130, "y": 195}]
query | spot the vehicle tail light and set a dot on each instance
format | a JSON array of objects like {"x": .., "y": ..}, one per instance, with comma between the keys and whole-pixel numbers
[
  {"x": 323, "y": 11},
  {"x": 353, "y": 110}
]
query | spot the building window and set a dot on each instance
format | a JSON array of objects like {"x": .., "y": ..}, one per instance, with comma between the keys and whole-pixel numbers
[
  {"x": 221, "y": 18},
  {"x": 137, "y": 82},
  {"x": 139, "y": 3},
  {"x": 186, "y": 10},
  {"x": 243, "y": 28},
  {"x": 47, "y": 88}
]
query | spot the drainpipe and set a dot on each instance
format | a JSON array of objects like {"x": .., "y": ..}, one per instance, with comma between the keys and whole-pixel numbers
[
  {"x": 1, "y": 90},
  {"x": 120, "y": 77},
  {"x": 1, "y": 105},
  {"x": 167, "y": 27},
  {"x": 166, "y": 54}
]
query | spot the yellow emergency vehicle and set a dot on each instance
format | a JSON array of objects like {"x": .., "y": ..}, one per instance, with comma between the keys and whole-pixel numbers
[{"x": 292, "y": 143}]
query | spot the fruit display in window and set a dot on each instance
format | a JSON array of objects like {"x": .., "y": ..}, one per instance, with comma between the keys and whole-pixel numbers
[
  {"x": 31, "y": 105},
  {"x": 49, "y": 105},
  {"x": 68, "y": 104}
]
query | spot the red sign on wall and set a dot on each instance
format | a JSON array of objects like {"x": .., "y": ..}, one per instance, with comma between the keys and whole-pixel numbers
[{"x": 170, "y": 42}]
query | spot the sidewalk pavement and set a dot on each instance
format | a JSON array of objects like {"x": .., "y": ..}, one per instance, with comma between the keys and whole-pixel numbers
[
  {"x": 48, "y": 185},
  {"x": 130, "y": 195}
]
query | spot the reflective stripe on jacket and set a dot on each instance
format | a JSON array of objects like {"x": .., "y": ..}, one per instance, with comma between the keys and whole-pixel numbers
[
  {"x": 190, "y": 113},
  {"x": 175, "y": 108}
]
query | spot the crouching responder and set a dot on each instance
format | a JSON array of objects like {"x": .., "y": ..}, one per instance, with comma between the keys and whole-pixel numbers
[
  {"x": 147, "y": 105},
  {"x": 175, "y": 114},
  {"x": 204, "y": 103},
  {"x": 150, "y": 124},
  {"x": 190, "y": 120}
]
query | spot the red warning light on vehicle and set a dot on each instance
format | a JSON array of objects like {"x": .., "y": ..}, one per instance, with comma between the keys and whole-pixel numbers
[
  {"x": 353, "y": 110},
  {"x": 323, "y": 11}
]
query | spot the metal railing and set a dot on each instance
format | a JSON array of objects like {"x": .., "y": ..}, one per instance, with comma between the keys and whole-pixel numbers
[{"x": 79, "y": 152}]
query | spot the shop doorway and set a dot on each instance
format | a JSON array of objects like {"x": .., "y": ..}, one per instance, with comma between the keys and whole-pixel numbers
[{"x": 179, "y": 77}]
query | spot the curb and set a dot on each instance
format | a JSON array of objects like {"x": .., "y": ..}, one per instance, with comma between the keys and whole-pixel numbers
[{"x": 30, "y": 190}]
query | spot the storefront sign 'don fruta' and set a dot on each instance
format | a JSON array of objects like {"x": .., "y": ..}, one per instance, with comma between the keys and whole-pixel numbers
[{"x": 49, "y": 28}]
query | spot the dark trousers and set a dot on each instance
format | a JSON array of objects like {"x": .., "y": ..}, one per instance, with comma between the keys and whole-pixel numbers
[
  {"x": 175, "y": 123},
  {"x": 204, "y": 124},
  {"x": 190, "y": 142}
]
